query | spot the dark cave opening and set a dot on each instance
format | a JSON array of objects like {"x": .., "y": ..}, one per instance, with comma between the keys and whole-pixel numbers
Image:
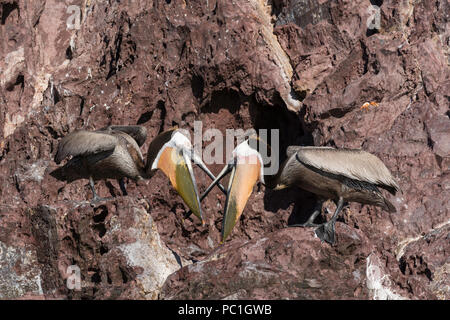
[{"x": 7, "y": 9}]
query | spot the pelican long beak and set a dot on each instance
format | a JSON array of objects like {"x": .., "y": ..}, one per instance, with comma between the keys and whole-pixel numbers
[
  {"x": 176, "y": 165},
  {"x": 199, "y": 162},
  {"x": 244, "y": 175},
  {"x": 245, "y": 171}
]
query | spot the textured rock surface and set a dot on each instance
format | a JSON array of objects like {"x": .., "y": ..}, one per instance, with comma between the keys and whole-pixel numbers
[
  {"x": 115, "y": 245},
  {"x": 287, "y": 264},
  {"x": 20, "y": 272},
  {"x": 304, "y": 67}
]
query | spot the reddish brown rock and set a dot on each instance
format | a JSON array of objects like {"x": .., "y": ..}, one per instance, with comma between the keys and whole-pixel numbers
[
  {"x": 285, "y": 264},
  {"x": 239, "y": 64},
  {"x": 425, "y": 261},
  {"x": 110, "y": 243}
]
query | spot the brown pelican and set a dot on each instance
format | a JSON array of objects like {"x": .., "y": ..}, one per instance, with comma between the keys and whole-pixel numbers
[
  {"x": 113, "y": 153},
  {"x": 337, "y": 174}
]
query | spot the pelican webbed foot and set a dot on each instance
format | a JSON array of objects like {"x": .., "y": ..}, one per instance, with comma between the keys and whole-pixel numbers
[
  {"x": 326, "y": 232},
  {"x": 96, "y": 197}
]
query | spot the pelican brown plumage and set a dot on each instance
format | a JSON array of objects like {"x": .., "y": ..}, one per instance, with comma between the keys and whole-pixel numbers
[
  {"x": 337, "y": 174},
  {"x": 114, "y": 153}
]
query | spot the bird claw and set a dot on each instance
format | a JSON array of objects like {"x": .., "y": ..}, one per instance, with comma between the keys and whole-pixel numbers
[
  {"x": 326, "y": 233},
  {"x": 366, "y": 105}
]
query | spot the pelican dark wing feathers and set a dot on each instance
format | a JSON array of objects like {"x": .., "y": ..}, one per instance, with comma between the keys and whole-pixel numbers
[
  {"x": 350, "y": 163},
  {"x": 292, "y": 150},
  {"x": 138, "y": 133},
  {"x": 83, "y": 143}
]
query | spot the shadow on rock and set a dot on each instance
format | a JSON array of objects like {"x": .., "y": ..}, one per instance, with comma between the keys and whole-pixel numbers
[{"x": 303, "y": 201}]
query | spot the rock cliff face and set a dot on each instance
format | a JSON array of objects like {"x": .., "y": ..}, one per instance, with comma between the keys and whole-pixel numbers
[{"x": 301, "y": 66}]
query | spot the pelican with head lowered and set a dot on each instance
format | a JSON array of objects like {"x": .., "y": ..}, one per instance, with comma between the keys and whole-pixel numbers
[
  {"x": 337, "y": 174},
  {"x": 114, "y": 153}
]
